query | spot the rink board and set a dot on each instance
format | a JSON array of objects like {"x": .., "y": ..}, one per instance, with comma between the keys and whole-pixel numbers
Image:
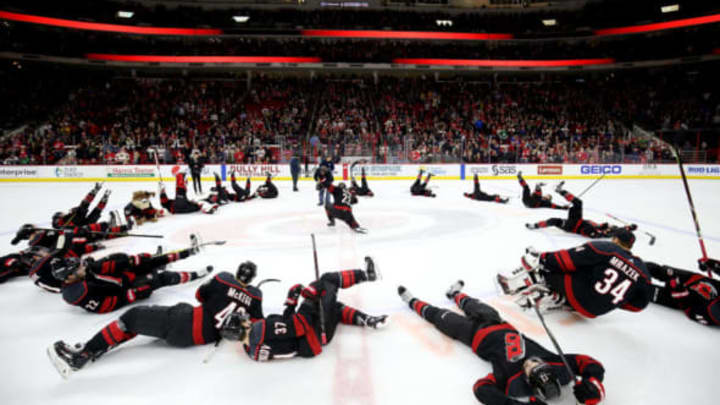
[{"x": 118, "y": 173}]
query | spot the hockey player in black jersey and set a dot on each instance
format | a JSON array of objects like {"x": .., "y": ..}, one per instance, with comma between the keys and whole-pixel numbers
[
  {"x": 110, "y": 283},
  {"x": 341, "y": 208},
  {"x": 536, "y": 199},
  {"x": 363, "y": 189},
  {"x": 13, "y": 265},
  {"x": 267, "y": 189},
  {"x": 299, "y": 333},
  {"x": 181, "y": 204},
  {"x": 477, "y": 194},
  {"x": 180, "y": 325},
  {"x": 522, "y": 368},
  {"x": 591, "y": 279},
  {"x": 575, "y": 222},
  {"x": 74, "y": 242},
  {"x": 420, "y": 188},
  {"x": 694, "y": 294},
  {"x": 78, "y": 216},
  {"x": 240, "y": 194}
]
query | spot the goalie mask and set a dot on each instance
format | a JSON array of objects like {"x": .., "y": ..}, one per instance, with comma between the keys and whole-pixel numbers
[{"x": 541, "y": 378}]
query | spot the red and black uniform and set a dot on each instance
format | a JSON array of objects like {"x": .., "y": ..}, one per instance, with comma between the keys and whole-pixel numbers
[
  {"x": 341, "y": 208},
  {"x": 117, "y": 280},
  {"x": 363, "y": 189},
  {"x": 75, "y": 241},
  {"x": 535, "y": 199},
  {"x": 183, "y": 325},
  {"x": 268, "y": 189},
  {"x": 477, "y": 194},
  {"x": 597, "y": 277},
  {"x": 12, "y": 265},
  {"x": 298, "y": 333},
  {"x": 181, "y": 204},
  {"x": 78, "y": 216},
  {"x": 694, "y": 294},
  {"x": 498, "y": 342},
  {"x": 240, "y": 193},
  {"x": 420, "y": 188},
  {"x": 575, "y": 222}
]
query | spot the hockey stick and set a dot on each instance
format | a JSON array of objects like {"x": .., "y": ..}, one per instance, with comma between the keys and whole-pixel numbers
[
  {"x": 591, "y": 186},
  {"x": 652, "y": 237},
  {"x": 211, "y": 352},
  {"x": 136, "y": 235},
  {"x": 157, "y": 164},
  {"x": 320, "y": 307},
  {"x": 268, "y": 280},
  {"x": 573, "y": 377},
  {"x": 705, "y": 263}
]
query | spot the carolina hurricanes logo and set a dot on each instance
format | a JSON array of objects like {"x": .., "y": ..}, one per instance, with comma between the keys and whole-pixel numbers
[
  {"x": 514, "y": 347},
  {"x": 705, "y": 290}
]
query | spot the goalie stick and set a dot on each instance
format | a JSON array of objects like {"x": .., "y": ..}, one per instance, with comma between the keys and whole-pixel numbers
[{"x": 320, "y": 307}]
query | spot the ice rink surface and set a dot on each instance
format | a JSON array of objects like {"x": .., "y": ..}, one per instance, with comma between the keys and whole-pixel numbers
[{"x": 654, "y": 357}]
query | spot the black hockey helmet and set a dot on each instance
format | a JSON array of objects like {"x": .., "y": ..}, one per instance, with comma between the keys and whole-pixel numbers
[
  {"x": 236, "y": 326},
  {"x": 62, "y": 268},
  {"x": 58, "y": 219},
  {"x": 341, "y": 186},
  {"x": 23, "y": 233},
  {"x": 246, "y": 272},
  {"x": 541, "y": 378}
]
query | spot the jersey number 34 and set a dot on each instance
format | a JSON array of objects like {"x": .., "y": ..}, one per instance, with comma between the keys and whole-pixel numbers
[{"x": 611, "y": 285}]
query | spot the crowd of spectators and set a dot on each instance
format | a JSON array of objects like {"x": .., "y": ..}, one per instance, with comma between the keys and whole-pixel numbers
[{"x": 263, "y": 118}]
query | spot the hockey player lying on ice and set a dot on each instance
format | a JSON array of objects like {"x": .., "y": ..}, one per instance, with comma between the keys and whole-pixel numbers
[
  {"x": 536, "y": 199},
  {"x": 591, "y": 279},
  {"x": 521, "y": 367}
]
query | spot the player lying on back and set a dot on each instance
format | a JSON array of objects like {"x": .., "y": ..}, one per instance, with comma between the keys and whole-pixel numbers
[
  {"x": 240, "y": 194},
  {"x": 180, "y": 325},
  {"x": 536, "y": 199},
  {"x": 694, "y": 294},
  {"x": 181, "y": 204},
  {"x": 591, "y": 279},
  {"x": 75, "y": 242},
  {"x": 267, "y": 189},
  {"x": 341, "y": 208},
  {"x": 141, "y": 210},
  {"x": 78, "y": 216},
  {"x": 19, "y": 264},
  {"x": 420, "y": 188},
  {"x": 477, "y": 194},
  {"x": 298, "y": 334},
  {"x": 363, "y": 189},
  {"x": 112, "y": 282},
  {"x": 575, "y": 222},
  {"x": 522, "y": 368}
]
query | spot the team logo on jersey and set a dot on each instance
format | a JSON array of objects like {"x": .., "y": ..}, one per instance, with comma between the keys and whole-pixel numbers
[{"x": 514, "y": 347}]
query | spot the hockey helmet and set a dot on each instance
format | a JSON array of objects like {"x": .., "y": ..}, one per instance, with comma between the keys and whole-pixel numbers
[
  {"x": 246, "y": 272},
  {"x": 23, "y": 233},
  {"x": 62, "y": 268},
  {"x": 58, "y": 219},
  {"x": 541, "y": 378}
]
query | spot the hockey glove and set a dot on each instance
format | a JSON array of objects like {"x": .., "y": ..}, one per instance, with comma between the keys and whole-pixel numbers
[
  {"x": 310, "y": 293},
  {"x": 589, "y": 391},
  {"x": 293, "y": 294}
]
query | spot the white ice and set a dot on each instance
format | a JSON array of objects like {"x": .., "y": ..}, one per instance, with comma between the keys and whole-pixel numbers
[{"x": 653, "y": 357}]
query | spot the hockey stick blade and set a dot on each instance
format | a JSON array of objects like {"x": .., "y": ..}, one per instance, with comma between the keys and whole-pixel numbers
[
  {"x": 268, "y": 280},
  {"x": 213, "y": 243},
  {"x": 211, "y": 352}
]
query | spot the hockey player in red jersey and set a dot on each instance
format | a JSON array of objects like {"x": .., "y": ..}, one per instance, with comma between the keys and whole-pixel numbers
[
  {"x": 522, "y": 368},
  {"x": 536, "y": 199},
  {"x": 299, "y": 334},
  {"x": 78, "y": 216},
  {"x": 591, "y": 279},
  {"x": 575, "y": 222},
  {"x": 477, "y": 194},
  {"x": 341, "y": 208},
  {"x": 420, "y": 188},
  {"x": 181, "y": 204},
  {"x": 694, "y": 294},
  {"x": 180, "y": 325}
]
